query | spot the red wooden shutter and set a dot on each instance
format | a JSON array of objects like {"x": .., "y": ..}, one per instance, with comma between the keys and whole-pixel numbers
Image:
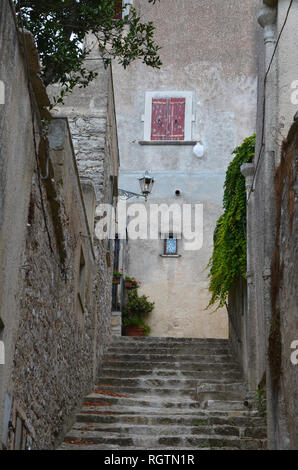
[
  {"x": 176, "y": 118},
  {"x": 159, "y": 123},
  {"x": 168, "y": 119},
  {"x": 118, "y": 9}
]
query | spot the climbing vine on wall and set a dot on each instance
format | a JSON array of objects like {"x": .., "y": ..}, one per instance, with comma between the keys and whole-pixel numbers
[{"x": 228, "y": 261}]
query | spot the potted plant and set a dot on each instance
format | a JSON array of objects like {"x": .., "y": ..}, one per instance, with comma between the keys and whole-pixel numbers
[
  {"x": 135, "y": 313},
  {"x": 131, "y": 283},
  {"x": 116, "y": 277},
  {"x": 134, "y": 326}
]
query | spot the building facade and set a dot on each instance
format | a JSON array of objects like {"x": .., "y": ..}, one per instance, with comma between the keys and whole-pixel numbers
[{"x": 182, "y": 123}]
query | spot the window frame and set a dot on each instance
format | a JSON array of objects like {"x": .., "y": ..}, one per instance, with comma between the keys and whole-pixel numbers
[
  {"x": 170, "y": 237},
  {"x": 188, "y": 119}
]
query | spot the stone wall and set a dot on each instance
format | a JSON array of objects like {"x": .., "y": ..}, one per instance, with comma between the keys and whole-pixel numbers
[
  {"x": 54, "y": 354},
  {"x": 237, "y": 311},
  {"x": 91, "y": 115},
  {"x": 16, "y": 165},
  {"x": 271, "y": 324},
  {"x": 55, "y": 277},
  {"x": 284, "y": 296}
]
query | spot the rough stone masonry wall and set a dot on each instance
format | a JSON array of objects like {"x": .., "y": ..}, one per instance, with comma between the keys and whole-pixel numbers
[
  {"x": 237, "y": 311},
  {"x": 91, "y": 117},
  {"x": 53, "y": 347},
  {"x": 16, "y": 168},
  {"x": 284, "y": 296},
  {"x": 54, "y": 353}
]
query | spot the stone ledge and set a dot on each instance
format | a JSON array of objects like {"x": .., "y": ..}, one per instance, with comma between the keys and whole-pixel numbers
[{"x": 167, "y": 142}]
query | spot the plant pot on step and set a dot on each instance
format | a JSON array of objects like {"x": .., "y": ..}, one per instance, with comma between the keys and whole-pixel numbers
[{"x": 134, "y": 331}]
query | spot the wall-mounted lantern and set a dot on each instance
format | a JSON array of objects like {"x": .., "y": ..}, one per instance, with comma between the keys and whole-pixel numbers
[{"x": 146, "y": 185}]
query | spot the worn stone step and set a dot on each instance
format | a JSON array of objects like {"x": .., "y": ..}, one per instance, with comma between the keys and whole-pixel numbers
[
  {"x": 117, "y": 372},
  {"x": 138, "y": 391},
  {"x": 152, "y": 357},
  {"x": 148, "y": 382},
  {"x": 206, "y": 387},
  {"x": 95, "y": 447},
  {"x": 157, "y": 409},
  {"x": 147, "y": 401},
  {"x": 169, "y": 383},
  {"x": 175, "y": 365},
  {"x": 223, "y": 392},
  {"x": 184, "y": 350},
  {"x": 165, "y": 430},
  {"x": 168, "y": 393},
  {"x": 143, "y": 391},
  {"x": 126, "y": 340},
  {"x": 139, "y": 441},
  {"x": 198, "y": 418},
  {"x": 223, "y": 404}
]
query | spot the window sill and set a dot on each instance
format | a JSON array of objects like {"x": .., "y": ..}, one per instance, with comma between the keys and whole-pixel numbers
[
  {"x": 170, "y": 256},
  {"x": 168, "y": 142}
]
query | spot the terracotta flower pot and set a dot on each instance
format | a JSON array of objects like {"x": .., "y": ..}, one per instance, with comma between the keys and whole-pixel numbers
[
  {"x": 134, "y": 331},
  {"x": 128, "y": 284}
]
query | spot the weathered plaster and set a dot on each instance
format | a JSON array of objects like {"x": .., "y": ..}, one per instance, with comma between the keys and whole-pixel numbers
[{"x": 214, "y": 59}]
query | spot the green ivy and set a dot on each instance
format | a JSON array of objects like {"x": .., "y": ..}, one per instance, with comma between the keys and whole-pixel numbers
[{"x": 228, "y": 261}]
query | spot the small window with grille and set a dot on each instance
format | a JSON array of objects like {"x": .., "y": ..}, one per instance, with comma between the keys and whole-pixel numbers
[{"x": 170, "y": 246}]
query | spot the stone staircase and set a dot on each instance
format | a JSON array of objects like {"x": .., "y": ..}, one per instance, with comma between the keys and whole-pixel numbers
[{"x": 167, "y": 393}]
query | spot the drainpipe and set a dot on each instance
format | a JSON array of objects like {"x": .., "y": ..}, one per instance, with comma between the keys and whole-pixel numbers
[
  {"x": 248, "y": 170},
  {"x": 267, "y": 19}
]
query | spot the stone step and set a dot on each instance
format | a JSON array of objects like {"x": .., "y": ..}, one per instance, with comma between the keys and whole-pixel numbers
[
  {"x": 126, "y": 340},
  {"x": 210, "y": 387},
  {"x": 168, "y": 393},
  {"x": 85, "y": 446},
  {"x": 116, "y": 372},
  {"x": 165, "y": 430},
  {"x": 175, "y": 365},
  {"x": 198, "y": 418},
  {"x": 143, "y": 391},
  {"x": 223, "y": 392},
  {"x": 176, "y": 442},
  {"x": 152, "y": 357},
  {"x": 101, "y": 407},
  {"x": 223, "y": 404},
  {"x": 197, "y": 350},
  {"x": 138, "y": 391},
  {"x": 137, "y": 401},
  {"x": 147, "y": 382}
]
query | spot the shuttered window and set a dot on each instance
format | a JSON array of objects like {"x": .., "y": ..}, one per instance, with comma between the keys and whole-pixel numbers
[{"x": 168, "y": 119}]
